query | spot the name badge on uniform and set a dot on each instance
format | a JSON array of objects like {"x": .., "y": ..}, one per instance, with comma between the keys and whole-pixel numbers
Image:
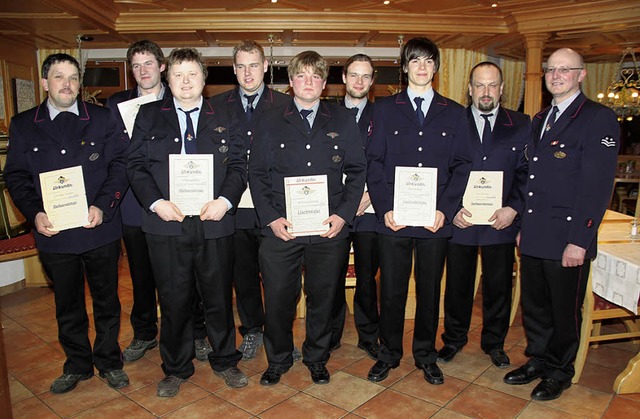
[
  {"x": 220, "y": 129},
  {"x": 559, "y": 154},
  {"x": 336, "y": 159},
  {"x": 223, "y": 149},
  {"x": 94, "y": 156}
]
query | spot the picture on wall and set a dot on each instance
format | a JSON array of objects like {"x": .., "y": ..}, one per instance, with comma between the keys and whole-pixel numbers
[{"x": 24, "y": 95}]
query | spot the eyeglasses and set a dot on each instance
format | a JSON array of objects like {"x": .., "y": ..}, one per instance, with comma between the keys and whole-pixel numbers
[{"x": 561, "y": 70}]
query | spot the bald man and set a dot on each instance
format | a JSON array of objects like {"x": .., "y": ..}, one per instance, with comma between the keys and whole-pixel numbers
[{"x": 572, "y": 161}]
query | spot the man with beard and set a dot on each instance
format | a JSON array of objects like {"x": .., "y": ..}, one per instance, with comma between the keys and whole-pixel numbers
[
  {"x": 498, "y": 137},
  {"x": 358, "y": 74}
]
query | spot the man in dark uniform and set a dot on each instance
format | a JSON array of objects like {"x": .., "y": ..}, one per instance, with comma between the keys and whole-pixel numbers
[
  {"x": 326, "y": 143},
  {"x": 498, "y": 137},
  {"x": 62, "y": 133},
  {"x": 193, "y": 250},
  {"x": 245, "y": 105},
  {"x": 357, "y": 75},
  {"x": 147, "y": 64},
  {"x": 572, "y": 162},
  {"x": 415, "y": 128}
]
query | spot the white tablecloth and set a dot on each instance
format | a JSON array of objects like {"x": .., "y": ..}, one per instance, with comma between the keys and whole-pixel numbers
[{"x": 616, "y": 273}]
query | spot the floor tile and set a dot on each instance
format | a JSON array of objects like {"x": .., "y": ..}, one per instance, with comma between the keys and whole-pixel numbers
[
  {"x": 303, "y": 406},
  {"x": 33, "y": 408},
  {"x": 538, "y": 410},
  {"x": 142, "y": 373},
  {"x": 480, "y": 402},
  {"x": 209, "y": 407},
  {"x": 256, "y": 398},
  {"x": 345, "y": 391},
  {"x": 159, "y": 406},
  {"x": 20, "y": 360},
  {"x": 415, "y": 385},
  {"x": 622, "y": 408},
  {"x": 38, "y": 380},
  {"x": 18, "y": 391},
  {"x": 86, "y": 395},
  {"x": 581, "y": 401},
  {"x": 121, "y": 407},
  {"x": 391, "y": 404}
]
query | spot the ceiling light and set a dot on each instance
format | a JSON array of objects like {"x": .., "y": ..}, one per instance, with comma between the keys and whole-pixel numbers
[
  {"x": 622, "y": 93},
  {"x": 494, "y": 4},
  {"x": 385, "y": 2}
]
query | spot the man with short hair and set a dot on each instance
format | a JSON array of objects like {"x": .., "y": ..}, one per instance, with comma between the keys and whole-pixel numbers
[
  {"x": 192, "y": 251},
  {"x": 61, "y": 133},
  {"x": 358, "y": 75},
  {"x": 245, "y": 105},
  {"x": 498, "y": 137},
  {"x": 572, "y": 162},
  {"x": 416, "y": 128},
  {"x": 307, "y": 137}
]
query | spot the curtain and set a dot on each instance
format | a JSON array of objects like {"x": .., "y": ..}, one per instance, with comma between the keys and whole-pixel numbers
[
  {"x": 44, "y": 53},
  {"x": 455, "y": 64},
  {"x": 513, "y": 79},
  {"x": 599, "y": 76}
]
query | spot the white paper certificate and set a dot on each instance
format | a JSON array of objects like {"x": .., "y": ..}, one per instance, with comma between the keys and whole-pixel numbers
[
  {"x": 129, "y": 110},
  {"x": 190, "y": 181},
  {"x": 307, "y": 199},
  {"x": 483, "y": 196},
  {"x": 65, "y": 198},
  {"x": 245, "y": 200},
  {"x": 414, "y": 198}
]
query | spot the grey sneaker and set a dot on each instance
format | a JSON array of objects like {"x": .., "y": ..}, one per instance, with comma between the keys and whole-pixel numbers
[
  {"x": 137, "y": 349},
  {"x": 169, "y": 386},
  {"x": 296, "y": 354},
  {"x": 233, "y": 377},
  {"x": 202, "y": 349},
  {"x": 116, "y": 378},
  {"x": 67, "y": 382},
  {"x": 250, "y": 344}
]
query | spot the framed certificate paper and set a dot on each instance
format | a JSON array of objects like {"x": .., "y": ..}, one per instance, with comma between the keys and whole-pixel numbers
[
  {"x": 190, "y": 181},
  {"x": 65, "y": 198},
  {"x": 307, "y": 199},
  {"x": 129, "y": 110},
  {"x": 414, "y": 198},
  {"x": 483, "y": 196}
]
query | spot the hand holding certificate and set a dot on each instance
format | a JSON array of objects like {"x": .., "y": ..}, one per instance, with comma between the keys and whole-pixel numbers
[
  {"x": 307, "y": 199},
  {"x": 190, "y": 181},
  {"x": 414, "y": 198},
  {"x": 64, "y": 198},
  {"x": 483, "y": 196}
]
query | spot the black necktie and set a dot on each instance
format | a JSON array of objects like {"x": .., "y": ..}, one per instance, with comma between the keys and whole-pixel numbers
[
  {"x": 249, "y": 111},
  {"x": 305, "y": 113},
  {"x": 486, "y": 131},
  {"x": 551, "y": 121},
  {"x": 419, "y": 113},
  {"x": 355, "y": 112},
  {"x": 190, "y": 134}
]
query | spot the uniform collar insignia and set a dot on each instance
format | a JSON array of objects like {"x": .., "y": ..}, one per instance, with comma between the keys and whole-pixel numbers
[
  {"x": 220, "y": 129},
  {"x": 333, "y": 135}
]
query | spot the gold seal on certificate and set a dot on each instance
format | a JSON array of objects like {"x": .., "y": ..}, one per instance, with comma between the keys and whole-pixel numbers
[
  {"x": 307, "y": 199},
  {"x": 414, "y": 197},
  {"x": 65, "y": 198},
  {"x": 483, "y": 196},
  {"x": 190, "y": 181},
  {"x": 129, "y": 110}
]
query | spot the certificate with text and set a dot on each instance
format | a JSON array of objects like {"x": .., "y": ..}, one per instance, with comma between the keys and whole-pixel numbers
[
  {"x": 483, "y": 196},
  {"x": 415, "y": 194},
  {"x": 190, "y": 181},
  {"x": 307, "y": 199},
  {"x": 129, "y": 110},
  {"x": 65, "y": 198}
]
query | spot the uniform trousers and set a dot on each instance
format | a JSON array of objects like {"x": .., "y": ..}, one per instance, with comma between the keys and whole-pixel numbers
[
  {"x": 67, "y": 272},
  {"x": 182, "y": 263},
  {"x": 144, "y": 314},
  {"x": 281, "y": 265},
  {"x": 365, "y": 301},
  {"x": 497, "y": 283},
  {"x": 247, "y": 282},
  {"x": 396, "y": 256},
  {"x": 552, "y": 298}
]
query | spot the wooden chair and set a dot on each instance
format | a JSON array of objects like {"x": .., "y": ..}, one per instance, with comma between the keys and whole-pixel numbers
[{"x": 594, "y": 311}]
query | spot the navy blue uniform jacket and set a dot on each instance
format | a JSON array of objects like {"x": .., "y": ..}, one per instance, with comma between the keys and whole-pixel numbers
[
  {"x": 156, "y": 134},
  {"x": 398, "y": 140},
  {"x": 130, "y": 207},
  {"x": 230, "y": 102},
  {"x": 282, "y": 148},
  {"x": 37, "y": 145},
  {"x": 571, "y": 174},
  {"x": 511, "y": 133}
]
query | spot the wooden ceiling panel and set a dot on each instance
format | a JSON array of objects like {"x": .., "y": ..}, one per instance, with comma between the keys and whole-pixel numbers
[{"x": 600, "y": 29}]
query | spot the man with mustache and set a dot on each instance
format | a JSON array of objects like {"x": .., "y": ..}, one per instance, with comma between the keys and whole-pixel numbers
[{"x": 498, "y": 137}]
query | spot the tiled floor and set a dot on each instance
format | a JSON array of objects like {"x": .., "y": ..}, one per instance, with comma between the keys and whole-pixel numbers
[{"x": 473, "y": 388}]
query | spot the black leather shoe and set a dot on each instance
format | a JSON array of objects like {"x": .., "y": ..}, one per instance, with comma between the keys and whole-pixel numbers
[
  {"x": 319, "y": 373},
  {"x": 549, "y": 389},
  {"x": 432, "y": 373},
  {"x": 523, "y": 375},
  {"x": 380, "y": 371},
  {"x": 499, "y": 358},
  {"x": 447, "y": 353},
  {"x": 272, "y": 375},
  {"x": 371, "y": 348}
]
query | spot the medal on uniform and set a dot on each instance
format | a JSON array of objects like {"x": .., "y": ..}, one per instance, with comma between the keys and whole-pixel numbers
[
  {"x": 94, "y": 157},
  {"x": 336, "y": 159},
  {"x": 559, "y": 154},
  {"x": 223, "y": 149}
]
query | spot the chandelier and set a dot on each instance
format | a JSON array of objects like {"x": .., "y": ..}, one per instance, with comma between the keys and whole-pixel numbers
[{"x": 622, "y": 93}]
